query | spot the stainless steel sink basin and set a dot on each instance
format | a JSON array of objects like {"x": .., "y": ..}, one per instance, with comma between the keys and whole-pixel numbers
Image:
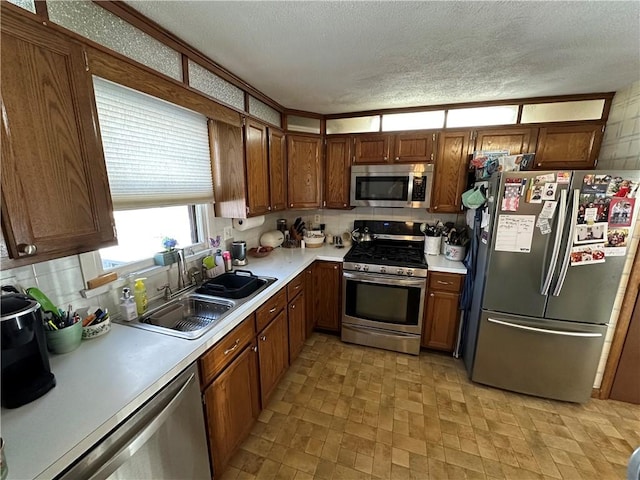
[{"x": 191, "y": 315}]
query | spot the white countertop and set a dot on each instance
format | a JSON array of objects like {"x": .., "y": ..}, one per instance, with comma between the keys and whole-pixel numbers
[
  {"x": 437, "y": 263},
  {"x": 107, "y": 378}
]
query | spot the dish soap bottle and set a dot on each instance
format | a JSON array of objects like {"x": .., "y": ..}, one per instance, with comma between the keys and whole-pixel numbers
[
  {"x": 128, "y": 307},
  {"x": 140, "y": 294}
]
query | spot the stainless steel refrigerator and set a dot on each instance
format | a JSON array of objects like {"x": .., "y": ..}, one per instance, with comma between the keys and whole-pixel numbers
[{"x": 551, "y": 251}]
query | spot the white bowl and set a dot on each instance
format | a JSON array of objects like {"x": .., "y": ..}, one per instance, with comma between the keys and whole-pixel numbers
[
  {"x": 313, "y": 242},
  {"x": 93, "y": 331}
]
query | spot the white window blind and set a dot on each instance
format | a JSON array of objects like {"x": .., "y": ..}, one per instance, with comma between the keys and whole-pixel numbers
[{"x": 157, "y": 153}]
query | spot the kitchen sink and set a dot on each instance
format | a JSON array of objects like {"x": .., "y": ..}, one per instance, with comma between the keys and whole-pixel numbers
[{"x": 192, "y": 314}]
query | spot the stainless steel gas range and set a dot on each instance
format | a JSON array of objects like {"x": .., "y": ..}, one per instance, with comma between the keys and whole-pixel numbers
[{"x": 384, "y": 285}]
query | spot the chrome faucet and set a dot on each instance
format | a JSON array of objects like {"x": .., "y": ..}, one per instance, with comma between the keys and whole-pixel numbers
[{"x": 167, "y": 291}]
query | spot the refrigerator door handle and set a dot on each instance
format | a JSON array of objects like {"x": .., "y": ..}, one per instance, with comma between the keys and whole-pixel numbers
[
  {"x": 544, "y": 330},
  {"x": 556, "y": 243},
  {"x": 567, "y": 253}
]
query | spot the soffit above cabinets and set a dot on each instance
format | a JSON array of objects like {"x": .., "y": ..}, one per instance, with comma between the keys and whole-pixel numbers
[{"x": 335, "y": 57}]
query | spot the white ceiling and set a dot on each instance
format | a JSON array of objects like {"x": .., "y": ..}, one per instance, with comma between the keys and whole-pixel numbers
[{"x": 335, "y": 57}]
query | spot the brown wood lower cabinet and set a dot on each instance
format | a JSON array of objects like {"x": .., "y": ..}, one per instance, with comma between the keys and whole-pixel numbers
[
  {"x": 327, "y": 279},
  {"x": 273, "y": 354},
  {"x": 232, "y": 403},
  {"x": 297, "y": 325},
  {"x": 442, "y": 314}
]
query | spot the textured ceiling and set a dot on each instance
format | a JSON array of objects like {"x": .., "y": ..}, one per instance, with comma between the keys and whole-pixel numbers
[{"x": 334, "y": 57}]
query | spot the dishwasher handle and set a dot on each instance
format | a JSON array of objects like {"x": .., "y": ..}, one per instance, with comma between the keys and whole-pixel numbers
[{"x": 145, "y": 433}]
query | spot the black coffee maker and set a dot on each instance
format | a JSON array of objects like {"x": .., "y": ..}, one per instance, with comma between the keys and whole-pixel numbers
[{"x": 25, "y": 362}]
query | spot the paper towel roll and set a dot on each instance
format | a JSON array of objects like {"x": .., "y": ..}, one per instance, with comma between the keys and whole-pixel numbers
[{"x": 242, "y": 224}]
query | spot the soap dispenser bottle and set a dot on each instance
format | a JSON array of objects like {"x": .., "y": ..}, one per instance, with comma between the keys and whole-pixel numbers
[
  {"x": 128, "y": 307},
  {"x": 140, "y": 294}
]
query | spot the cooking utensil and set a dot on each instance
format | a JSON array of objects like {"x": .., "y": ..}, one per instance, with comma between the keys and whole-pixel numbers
[{"x": 46, "y": 304}]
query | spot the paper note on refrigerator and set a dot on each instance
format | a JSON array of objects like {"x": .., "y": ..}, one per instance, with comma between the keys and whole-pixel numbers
[{"x": 515, "y": 233}]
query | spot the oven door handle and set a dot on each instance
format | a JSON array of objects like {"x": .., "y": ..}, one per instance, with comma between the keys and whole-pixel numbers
[{"x": 393, "y": 280}]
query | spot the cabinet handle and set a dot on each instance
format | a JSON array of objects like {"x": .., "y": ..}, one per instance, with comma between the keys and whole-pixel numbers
[
  {"x": 431, "y": 295},
  {"x": 386, "y": 158},
  {"x": 27, "y": 249},
  {"x": 444, "y": 283},
  {"x": 254, "y": 348},
  {"x": 397, "y": 158},
  {"x": 272, "y": 310},
  {"x": 268, "y": 208},
  {"x": 335, "y": 267},
  {"x": 263, "y": 338},
  {"x": 235, "y": 346},
  {"x": 344, "y": 204},
  {"x": 297, "y": 287},
  {"x": 293, "y": 307},
  {"x": 539, "y": 165}
]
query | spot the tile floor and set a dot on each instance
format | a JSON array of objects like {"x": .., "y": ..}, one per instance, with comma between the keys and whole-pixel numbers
[{"x": 350, "y": 412}]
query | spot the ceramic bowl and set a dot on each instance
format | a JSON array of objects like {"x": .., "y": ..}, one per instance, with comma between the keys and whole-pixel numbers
[
  {"x": 314, "y": 242},
  {"x": 64, "y": 340},
  {"x": 93, "y": 331}
]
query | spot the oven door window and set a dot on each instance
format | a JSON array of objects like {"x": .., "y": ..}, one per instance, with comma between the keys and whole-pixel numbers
[
  {"x": 382, "y": 188},
  {"x": 383, "y": 303}
]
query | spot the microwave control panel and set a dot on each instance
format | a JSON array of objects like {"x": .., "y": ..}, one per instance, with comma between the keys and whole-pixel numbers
[{"x": 419, "y": 189}]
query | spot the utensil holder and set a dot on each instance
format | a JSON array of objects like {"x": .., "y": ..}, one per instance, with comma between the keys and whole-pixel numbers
[
  {"x": 64, "y": 340},
  {"x": 432, "y": 245},
  {"x": 454, "y": 252}
]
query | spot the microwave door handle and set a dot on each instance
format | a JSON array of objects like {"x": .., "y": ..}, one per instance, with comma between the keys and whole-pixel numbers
[
  {"x": 567, "y": 253},
  {"x": 562, "y": 215},
  {"x": 410, "y": 190}
]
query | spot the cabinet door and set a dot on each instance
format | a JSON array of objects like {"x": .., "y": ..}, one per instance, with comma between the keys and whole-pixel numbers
[
  {"x": 232, "y": 403},
  {"x": 515, "y": 140},
  {"x": 310, "y": 298},
  {"x": 257, "y": 169},
  {"x": 442, "y": 317},
  {"x": 277, "y": 170},
  {"x": 273, "y": 349},
  {"x": 574, "y": 147},
  {"x": 374, "y": 148},
  {"x": 337, "y": 172},
  {"x": 304, "y": 171},
  {"x": 297, "y": 325},
  {"x": 228, "y": 161},
  {"x": 55, "y": 192},
  {"x": 414, "y": 147},
  {"x": 450, "y": 172},
  {"x": 328, "y": 291}
]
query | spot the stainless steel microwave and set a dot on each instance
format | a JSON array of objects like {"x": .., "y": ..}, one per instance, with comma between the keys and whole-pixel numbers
[{"x": 407, "y": 186}]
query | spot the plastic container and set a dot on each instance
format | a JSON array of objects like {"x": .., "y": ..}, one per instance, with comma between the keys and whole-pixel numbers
[
  {"x": 454, "y": 252},
  {"x": 140, "y": 295},
  {"x": 128, "y": 307},
  {"x": 231, "y": 285}
]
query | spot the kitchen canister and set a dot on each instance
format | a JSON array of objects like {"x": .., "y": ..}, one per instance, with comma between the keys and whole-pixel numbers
[
  {"x": 454, "y": 252},
  {"x": 432, "y": 245}
]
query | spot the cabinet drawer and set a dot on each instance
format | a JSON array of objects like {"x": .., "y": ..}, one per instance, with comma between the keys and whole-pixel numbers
[
  {"x": 270, "y": 309},
  {"x": 295, "y": 286},
  {"x": 221, "y": 354},
  {"x": 449, "y": 282}
]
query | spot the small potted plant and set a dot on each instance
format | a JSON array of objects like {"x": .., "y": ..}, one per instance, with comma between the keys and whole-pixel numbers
[{"x": 170, "y": 254}]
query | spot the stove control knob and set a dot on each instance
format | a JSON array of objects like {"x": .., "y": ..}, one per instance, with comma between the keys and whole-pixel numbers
[
  {"x": 409, "y": 272},
  {"x": 357, "y": 267},
  {"x": 383, "y": 269},
  {"x": 365, "y": 268},
  {"x": 400, "y": 271}
]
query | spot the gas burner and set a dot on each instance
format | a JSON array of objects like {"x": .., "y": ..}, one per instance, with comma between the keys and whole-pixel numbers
[{"x": 398, "y": 250}]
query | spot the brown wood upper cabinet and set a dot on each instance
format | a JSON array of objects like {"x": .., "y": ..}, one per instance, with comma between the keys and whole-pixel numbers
[
  {"x": 257, "y": 168},
  {"x": 277, "y": 169},
  {"x": 405, "y": 147},
  {"x": 515, "y": 140},
  {"x": 55, "y": 193},
  {"x": 250, "y": 183},
  {"x": 337, "y": 172},
  {"x": 450, "y": 172},
  {"x": 570, "y": 147},
  {"x": 303, "y": 153}
]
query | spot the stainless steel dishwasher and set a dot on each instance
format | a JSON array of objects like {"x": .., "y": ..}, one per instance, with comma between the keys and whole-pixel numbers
[{"x": 163, "y": 439}]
